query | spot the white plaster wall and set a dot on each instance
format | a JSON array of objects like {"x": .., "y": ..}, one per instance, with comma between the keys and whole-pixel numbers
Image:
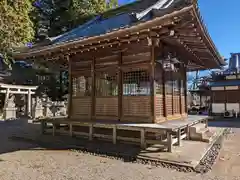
[
  {"x": 218, "y": 107},
  {"x": 217, "y": 88},
  {"x": 231, "y": 87},
  {"x": 233, "y": 106}
]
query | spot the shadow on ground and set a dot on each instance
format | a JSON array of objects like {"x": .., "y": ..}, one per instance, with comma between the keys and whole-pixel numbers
[
  {"x": 20, "y": 135},
  {"x": 225, "y": 122}
]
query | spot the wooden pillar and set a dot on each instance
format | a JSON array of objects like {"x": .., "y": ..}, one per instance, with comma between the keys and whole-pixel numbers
[
  {"x": 164, "y": 92},
  {"x": 93, "y": 93},
  {"x": 180, "y": 96},
  {"x": 185, "y": 89},
  {"x": 29, "y": 102},
  {"x": 172, "y": 80},
  {"x": 181, "y": 90},
  {"x": 120, "y": 88},
  {"x": 153, "y": 84},
  {"x": 69, "y": 86}
]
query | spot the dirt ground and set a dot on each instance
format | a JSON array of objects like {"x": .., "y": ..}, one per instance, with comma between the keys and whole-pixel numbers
[{"x": 19, "y": 161}]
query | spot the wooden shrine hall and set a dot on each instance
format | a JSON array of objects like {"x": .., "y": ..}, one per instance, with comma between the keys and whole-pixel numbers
[{"x": 129, "y": 64}]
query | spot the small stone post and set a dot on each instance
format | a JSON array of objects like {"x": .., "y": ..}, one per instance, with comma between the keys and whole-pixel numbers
[{"x": 37, "y": 108}]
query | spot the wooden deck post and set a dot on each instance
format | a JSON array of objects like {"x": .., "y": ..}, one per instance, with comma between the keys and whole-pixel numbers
[
  {"x": 114, "y": 135},
  {"x": 179, "y": 143},
  {"x": 54, "y": 129},
  {"x": 71, "y": 129},
  {"x": 143, "y": 140},
  {"x": 43, "y": 125},
  {"x": 187, "y": 132},
  {"x": 206, "y": 123},
  {"x": 90, "y": 132},
  {"x": 169, "y": 141}
]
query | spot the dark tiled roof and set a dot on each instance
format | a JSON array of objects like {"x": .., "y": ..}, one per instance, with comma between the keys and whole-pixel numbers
[
  {"x": 225, "y": 83},
  {"x": 121, "y": 17}
]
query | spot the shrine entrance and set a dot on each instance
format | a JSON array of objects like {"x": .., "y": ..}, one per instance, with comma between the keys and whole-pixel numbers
[{"x": 16, "y": 100}]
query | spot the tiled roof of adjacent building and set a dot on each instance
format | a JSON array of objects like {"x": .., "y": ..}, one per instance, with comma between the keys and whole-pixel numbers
[{"x": 225, "y": 83}]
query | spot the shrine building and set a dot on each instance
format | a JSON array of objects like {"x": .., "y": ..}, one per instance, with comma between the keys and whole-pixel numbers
[{"x": 129, "y": 64}]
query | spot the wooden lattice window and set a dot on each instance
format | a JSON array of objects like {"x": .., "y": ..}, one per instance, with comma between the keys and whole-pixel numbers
[
  {"x": 176, "y": 82},
  {"x": 136, "y": 82},
  {"x": 106, "y": 83},
  {"x": 168, "y": 82},
  {"x": 183, "y": 87},
  {"x": 159, "y": 79},
  {"x": 82, "y": 86}
]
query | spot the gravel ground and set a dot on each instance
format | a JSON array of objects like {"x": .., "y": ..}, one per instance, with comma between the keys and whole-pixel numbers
[{"x": 19, "y": 162}]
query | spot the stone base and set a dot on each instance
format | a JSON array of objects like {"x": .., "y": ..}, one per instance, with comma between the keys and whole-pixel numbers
[
  {"x": 37, "y": 113},
  {"x": 200, "y": 132},
  {"x": 9, "y": 113}
]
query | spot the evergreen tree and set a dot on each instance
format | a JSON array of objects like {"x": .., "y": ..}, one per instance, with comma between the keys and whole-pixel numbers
[
  {"x": 16, "y": 26},
  {"x": 112, "y": 4},
  {"x": 54, "y": 17}
]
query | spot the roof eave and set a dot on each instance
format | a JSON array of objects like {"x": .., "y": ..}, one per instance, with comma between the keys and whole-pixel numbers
[{"x": 103, "y": 37}]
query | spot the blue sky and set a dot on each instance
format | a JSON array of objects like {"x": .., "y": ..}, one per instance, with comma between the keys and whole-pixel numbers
[{"x": 223, "y": 23}]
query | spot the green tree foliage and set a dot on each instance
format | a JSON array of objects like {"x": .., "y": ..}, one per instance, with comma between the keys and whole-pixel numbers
[
  {"x": 54, "y": 17},
  {"x": 16, "y": 26}
]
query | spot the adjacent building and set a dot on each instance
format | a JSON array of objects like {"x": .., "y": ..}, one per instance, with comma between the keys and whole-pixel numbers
[{"x": 225, "y": 89}]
